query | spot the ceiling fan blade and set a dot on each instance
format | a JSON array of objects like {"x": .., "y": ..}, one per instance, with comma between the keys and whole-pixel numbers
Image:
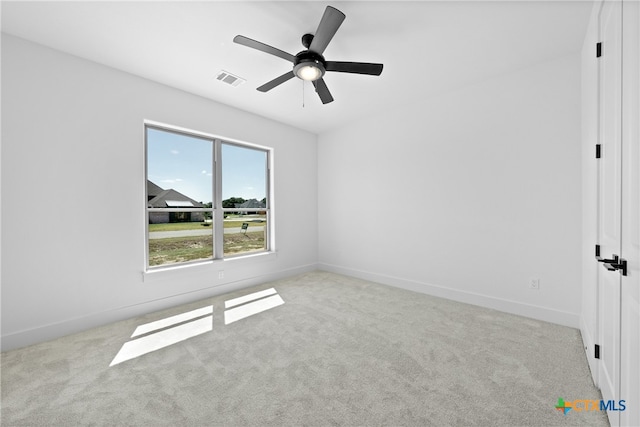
[
  {"x": 323, "y": 91},
  {"x": 246, "y": 41},
  {"x": 354, "y": 67},
  {"x": 277, "y": 81},
  {"x": 329, "y": 24}
]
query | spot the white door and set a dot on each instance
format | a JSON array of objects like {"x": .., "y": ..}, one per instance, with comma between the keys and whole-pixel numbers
[
  {"x": 630, "y": 289},
  {"x": 609, "y": 199}
]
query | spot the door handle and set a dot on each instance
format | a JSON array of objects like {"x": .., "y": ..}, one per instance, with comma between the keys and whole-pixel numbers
[
  {"x": 613, "y": 264},
  {"x": 618, "y": 265},
  {"x": 608, "y": 261}
]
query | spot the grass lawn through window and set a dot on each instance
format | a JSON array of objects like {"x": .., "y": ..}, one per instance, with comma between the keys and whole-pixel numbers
[{"x": 168, "y": 250}]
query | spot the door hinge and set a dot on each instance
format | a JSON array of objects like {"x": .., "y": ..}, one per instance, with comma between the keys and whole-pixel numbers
[
  {"x": 597, "y": 351},
  {"x": 598, "y": 151},
  {"x": 598, "y": 49}
]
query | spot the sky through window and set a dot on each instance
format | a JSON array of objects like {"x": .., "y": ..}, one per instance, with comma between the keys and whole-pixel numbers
[{"x": 184, "y": 163}]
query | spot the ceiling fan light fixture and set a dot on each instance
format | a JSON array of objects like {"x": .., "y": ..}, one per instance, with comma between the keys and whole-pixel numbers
[
  {"x": 309, "y": 70},
  {"x": 309, "y": 73}
]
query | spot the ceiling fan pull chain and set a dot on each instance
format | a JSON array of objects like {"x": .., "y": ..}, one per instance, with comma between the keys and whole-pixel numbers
[{"x": 302, "y": 93}]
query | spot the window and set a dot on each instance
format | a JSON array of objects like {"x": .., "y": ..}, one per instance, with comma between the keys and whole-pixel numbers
[{"x": 206, "y": 198}]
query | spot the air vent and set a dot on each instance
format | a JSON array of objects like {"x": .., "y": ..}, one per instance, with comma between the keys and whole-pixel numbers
[{"x": 231, "y": 79}]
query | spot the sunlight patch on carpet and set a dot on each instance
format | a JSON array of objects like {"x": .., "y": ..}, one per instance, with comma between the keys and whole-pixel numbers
[
  {"x": 170, "y": 321},
  {"x": 163, "y": 333},
  {"x": 251, "y": 304},
  {"x": 247, "y": 298}
]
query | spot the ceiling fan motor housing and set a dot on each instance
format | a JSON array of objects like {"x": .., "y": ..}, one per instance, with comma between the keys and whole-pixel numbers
[{"x": 306, "y": 40}]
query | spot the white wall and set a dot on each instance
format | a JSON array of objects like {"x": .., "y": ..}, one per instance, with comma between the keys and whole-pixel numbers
[
  {"x": 73, "y": 194},
  {"x": 466, "y": 196}
]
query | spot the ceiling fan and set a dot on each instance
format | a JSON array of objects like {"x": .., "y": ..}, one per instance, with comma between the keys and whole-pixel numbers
[{"x": 309, "y": 64}]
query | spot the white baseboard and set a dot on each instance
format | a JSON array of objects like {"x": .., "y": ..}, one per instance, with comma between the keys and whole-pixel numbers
[
  {"x": 513, "y": 307},
  {"x": 79, "y": 324},
  {"x": 70, "y": 326}
]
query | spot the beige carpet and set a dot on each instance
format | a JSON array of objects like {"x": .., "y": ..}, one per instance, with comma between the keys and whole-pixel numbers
[{"x": 339, "y": 351}]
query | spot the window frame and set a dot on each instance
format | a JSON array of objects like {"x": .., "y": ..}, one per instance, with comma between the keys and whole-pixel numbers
[{"x": 216, "y": 210}]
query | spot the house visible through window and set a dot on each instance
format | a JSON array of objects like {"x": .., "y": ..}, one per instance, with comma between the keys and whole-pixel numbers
[{"x": 206, "y": 198}]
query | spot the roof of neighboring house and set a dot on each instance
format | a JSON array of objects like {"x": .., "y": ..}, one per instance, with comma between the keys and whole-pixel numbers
[
  {"x": 251, "y": 203},
  {"x": 172, "y": 199},
  {"x": 153, "y": 190}
]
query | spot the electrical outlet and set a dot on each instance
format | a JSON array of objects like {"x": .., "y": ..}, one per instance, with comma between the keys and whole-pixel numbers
[
  {"x": 534, "y": 284},
  {"x": 221, "y": 274}
]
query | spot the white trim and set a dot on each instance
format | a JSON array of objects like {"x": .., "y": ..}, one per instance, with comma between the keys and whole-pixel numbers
[
  {"x": 179, "y": 271},
  {"x": 202, "y": 135},
  {"x": 82, "y": 323},
  {"x": 218, "y": 213},
  {"x": 563, "y": 318},
  {"x": 589, "y": 346},
  {"x": 216, "y": 210}
]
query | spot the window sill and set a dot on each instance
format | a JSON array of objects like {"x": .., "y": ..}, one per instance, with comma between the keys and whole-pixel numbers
[{"x": 208, "y": 267}]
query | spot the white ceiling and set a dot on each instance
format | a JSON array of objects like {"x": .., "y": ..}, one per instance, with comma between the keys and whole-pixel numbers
[{"x": 427, "y": 47}]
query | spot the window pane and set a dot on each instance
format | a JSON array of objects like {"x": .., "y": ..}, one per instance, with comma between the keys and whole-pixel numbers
[
  {"x": 245, "y": 233},
  {"x": 181, "y": 196},
  {"x": 177, "y": 237},
  {"x": 244, "y": 177},
  {"x": 178, "y": 170}
]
